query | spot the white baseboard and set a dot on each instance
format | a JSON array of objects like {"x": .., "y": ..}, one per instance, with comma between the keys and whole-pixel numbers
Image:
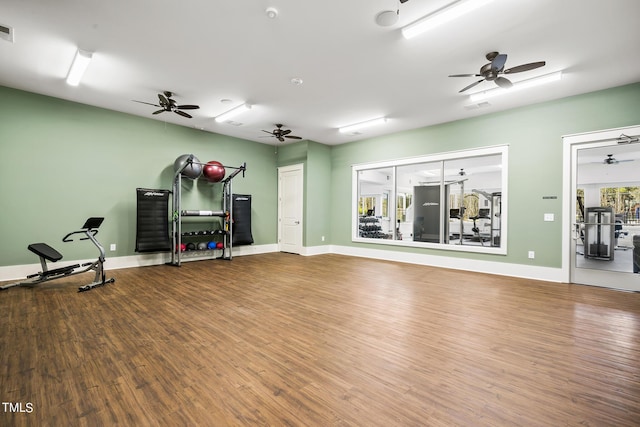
[
  {"x": 18, "y": 272},
  {"x": 316, "y": 250},
  {"x": 490, "y": 267}
]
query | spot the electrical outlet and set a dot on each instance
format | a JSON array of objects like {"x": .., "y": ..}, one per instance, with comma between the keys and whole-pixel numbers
[
  {"x": 323, "y": 238},
  {"x": 532, "y": 254},
  {"x": 112, "y": 248},
  {"x": 549, "y": 217}
]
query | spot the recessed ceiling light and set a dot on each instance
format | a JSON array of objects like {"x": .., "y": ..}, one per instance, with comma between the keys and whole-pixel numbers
[
  {"x": 78, "y": 67},
  {"x": 233, "y": 112},
  {"x": 523, "y": 84},
  {"x": 358, "y": 126},
  {"x": 296, "y": 81},
  {"x": 442, "y": 16},
  {"x": 225, "y": 101}
]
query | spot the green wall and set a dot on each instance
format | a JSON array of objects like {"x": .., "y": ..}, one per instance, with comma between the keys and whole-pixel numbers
[
  {"x": 316, "y": 159},
  {"x": 61, "y": 162},
  {"x": 534, "y": 135}
]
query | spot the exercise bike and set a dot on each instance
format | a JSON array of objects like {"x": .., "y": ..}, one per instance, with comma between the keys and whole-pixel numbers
[{"x": 47, "y": 253}]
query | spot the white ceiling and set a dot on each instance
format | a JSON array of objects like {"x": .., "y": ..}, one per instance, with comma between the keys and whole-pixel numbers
[{"x": 353, "y": 69}]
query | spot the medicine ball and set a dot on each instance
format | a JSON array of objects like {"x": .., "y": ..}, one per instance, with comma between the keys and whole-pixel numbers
[{"x": 202, "y": 246}]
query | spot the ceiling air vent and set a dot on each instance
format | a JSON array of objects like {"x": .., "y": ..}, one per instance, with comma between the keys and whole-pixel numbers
[{"x": 6, "y": 33}]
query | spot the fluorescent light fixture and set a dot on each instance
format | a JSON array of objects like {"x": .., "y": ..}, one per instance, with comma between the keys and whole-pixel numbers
[
  {"x": 524, "y": 84},
  {"x": 356, "y": 127},
  {"x": 233, "y": 112},
  {"x": 442, "y": 16},
  {"x": 78, "y": 67}
]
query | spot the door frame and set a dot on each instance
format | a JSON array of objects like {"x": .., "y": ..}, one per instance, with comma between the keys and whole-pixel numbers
[
  {"x": 281, "y": 170},
  {"x": 568, "y": 176}
]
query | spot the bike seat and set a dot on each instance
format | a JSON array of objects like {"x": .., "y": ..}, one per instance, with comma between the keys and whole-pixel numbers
[{"x": 45, "y": 251}]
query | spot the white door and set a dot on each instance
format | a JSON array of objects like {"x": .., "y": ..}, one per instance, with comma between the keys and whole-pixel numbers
[
  {"x": 605, "y": 209},
  {"x": 290, "y": 208}
]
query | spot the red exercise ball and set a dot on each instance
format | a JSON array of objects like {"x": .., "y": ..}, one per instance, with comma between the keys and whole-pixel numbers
[
  {"x": 220, "y": 245},
  {"x": 213, "y": 171}
]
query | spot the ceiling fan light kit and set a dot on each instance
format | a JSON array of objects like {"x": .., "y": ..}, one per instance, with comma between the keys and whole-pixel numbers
[
  {"x": 233, "y": 112},
  {"x": 361, "y": 125},
  {"x": 441, "y": 16},
  {"x": 78, "y": 67},
  {"x": 524, "y": 84}
]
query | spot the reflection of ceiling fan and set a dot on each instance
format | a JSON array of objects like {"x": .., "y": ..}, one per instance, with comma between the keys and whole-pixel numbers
[
  {"x": 610, "y": 160},
  {"x": 166, "y": 103},
  {"x": 281, "y": 134},
  {"x": 493, "y": 71}
]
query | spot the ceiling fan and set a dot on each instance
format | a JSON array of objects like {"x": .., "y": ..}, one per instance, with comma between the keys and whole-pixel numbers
[
  {"x": 610, "y": 160},
  {"x": 166, "y": 103},
  {"x": 495, "y": 68},
  {"x": 281, "y": 134}
]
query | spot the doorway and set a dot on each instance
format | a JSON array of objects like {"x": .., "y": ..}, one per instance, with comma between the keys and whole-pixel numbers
[
  {"x": 603, "y": 209},
  {"x": 290, "y": 208}
]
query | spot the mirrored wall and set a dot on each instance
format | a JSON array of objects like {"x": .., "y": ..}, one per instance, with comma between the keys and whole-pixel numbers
[{"x": 453, "y": 201}]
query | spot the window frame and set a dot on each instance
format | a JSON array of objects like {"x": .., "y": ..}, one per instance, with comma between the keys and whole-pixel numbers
[{"x": 502, "y": 150}]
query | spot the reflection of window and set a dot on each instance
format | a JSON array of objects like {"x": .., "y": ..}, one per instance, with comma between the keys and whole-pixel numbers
[
  {"x": 402, "y": 203},
  {"x": 367, "y": 205},
  {"x": 623, "y": 200},
  {"x": 449, "y": 200}
]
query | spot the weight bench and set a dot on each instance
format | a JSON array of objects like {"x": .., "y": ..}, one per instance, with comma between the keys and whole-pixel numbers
[{"x": 47, "y": 253}]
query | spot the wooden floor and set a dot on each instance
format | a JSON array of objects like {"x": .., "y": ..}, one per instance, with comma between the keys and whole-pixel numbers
[{"x": 328, "y": 340}]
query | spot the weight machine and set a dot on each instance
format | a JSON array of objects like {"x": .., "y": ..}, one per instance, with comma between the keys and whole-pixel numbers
[{"x": 47, "y": 253}]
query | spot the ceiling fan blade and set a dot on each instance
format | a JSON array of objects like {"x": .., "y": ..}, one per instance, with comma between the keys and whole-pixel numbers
[
  {"x": 503, "y": 82},
  {"x": 183, "y": 114},
  {"x": 163, "y": 100},
  {"x": 498, "y": 62},
  {"x": 188, "y": 107},
  {"x": 148, "y": 103},
  {"x": 464, "y": 75},
  {"x": 159, "y": 111},
  {"x": 292, "y": 137},
  {"x": 471, "y": 85},
  {"x": 285, "y": 132},
  {"x": 525, "y": 67},
  {"x": 281, "y": 139}
]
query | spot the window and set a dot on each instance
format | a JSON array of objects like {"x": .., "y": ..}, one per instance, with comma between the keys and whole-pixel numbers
[{"x": 454, "y": 201}]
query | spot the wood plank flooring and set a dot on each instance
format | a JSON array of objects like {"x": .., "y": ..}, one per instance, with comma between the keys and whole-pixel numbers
[{"x": 285, "y": 340}]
